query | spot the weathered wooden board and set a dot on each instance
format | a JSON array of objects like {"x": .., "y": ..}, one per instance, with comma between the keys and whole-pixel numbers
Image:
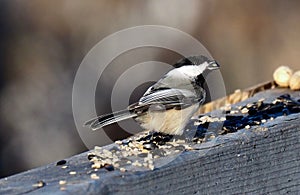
[{"x": 251, "y": 161}]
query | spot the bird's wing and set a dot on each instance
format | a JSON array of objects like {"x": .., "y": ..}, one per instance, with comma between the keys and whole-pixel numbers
[
  {"x": 168, "y": 96},
  {"x": 165, "y": 99}
]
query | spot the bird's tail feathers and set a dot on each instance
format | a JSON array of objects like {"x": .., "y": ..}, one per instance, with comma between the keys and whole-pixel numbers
[{"x": 108, "y": 119}]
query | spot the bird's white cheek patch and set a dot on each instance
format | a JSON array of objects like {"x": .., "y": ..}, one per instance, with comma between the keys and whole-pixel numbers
[{"x": 192, "y": 70}]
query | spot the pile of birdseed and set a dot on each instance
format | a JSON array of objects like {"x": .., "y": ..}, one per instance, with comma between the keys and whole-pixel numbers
[
  {"x": 145, "y": 149},
  {"x": 259, "y": 112},
  {"x": 140, "y": 152}
]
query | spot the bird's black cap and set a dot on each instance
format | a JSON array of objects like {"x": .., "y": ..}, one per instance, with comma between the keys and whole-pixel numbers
[{"x": 192, "y": 60}]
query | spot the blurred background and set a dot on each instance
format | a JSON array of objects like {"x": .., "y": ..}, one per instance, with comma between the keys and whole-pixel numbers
[{"x": 42, "y": 43}]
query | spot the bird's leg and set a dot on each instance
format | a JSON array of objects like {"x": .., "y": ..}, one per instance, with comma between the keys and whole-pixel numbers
[{"x": 151, "y": 138}]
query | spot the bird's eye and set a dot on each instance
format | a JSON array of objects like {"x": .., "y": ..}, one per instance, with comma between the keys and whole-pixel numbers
[{"x": 212, "y": 65}]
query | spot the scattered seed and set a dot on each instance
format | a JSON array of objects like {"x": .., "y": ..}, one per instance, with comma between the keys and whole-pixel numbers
[
  {"x": 94, "y": 176},
  {"x": 96, "y": 165},
  {"x": 252, "y": 111},
  {"x": 151, "y": 166},
  {"x": 234, "y": 111},
  {"x": 117, "y": 165},
  {"x": 39, "y": 184},
  {"x": 91, "y": 156},
  {"x": 109, "y": 167},
  {"x": 118, "y": 142},
  {"x": 72, "y": 172},
  {"x": 250, "y": 105},
  {"x": 61, "y": 162},
  {"x": 137, "y": 163},
  {"x": 62, "y": 182},
  {"x": 244, "y": 111},
  {"x": 149, "y": 146}
]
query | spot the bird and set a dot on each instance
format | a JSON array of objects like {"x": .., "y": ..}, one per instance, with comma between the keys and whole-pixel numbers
[{"x": 168, "y": 105}]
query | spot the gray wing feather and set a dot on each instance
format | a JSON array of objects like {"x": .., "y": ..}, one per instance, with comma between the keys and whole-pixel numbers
[
  {"x": 169, "y": 96},
  {"x": 107, "y": 119}
]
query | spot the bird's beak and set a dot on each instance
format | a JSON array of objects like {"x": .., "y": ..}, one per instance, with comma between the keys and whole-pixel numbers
[{"x": 213, "y": 65}]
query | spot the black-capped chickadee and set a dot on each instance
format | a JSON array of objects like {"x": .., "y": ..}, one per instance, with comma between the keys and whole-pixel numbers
[{"x": 168, "y": 105}]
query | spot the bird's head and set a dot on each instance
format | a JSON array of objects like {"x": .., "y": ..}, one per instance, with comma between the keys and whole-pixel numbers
[{"x": 196, "y": 65}]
